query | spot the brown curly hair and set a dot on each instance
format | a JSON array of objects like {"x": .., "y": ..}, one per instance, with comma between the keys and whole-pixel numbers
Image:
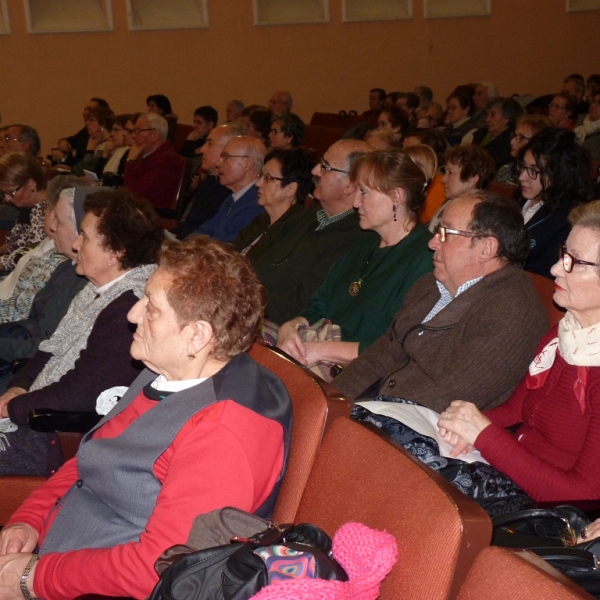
[{"x": 212, "y": 282}]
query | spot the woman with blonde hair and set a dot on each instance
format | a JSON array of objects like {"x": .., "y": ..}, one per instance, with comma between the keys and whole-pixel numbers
[{"x": 365, "y": 288}]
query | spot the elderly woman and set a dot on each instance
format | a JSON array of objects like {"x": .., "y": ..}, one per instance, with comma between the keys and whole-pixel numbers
[
  {"x": 202, "y": 428},
  {"x": 283, "y": 186},
  {"x": 22, "y": 184},
  {"x": 98, "y": 125},
  {"x": 365, "y": 288},
  {"x": 460, "y": 126},
  {"x": 466, "y": 168},
  {"x": 116, "y": 250},
  {"x": 394, "y": 119},
  {"x": 527, "y": 127},
  {"x": 554, "y": 177},
  {"x": 555, "y": 452},
  {"x": 562, "y": 109},
  {"x": 287, "y": 131},
  {"x": 500, "y": 120}
]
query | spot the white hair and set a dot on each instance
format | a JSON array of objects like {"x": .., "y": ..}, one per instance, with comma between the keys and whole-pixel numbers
[
  {"x": 491, "y": 88},
  {"x": 157, "y": 122}
]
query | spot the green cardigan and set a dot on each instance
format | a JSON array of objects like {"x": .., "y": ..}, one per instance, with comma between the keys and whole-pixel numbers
[{"x": 390, "y": 273}]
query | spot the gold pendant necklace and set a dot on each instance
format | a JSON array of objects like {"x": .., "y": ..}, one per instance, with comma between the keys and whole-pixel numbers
[{"x": 354, "y": 288}]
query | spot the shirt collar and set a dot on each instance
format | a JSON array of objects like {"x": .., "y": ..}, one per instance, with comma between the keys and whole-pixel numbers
[
  {"x": 100, "y": 290},
  {"x": 324, "y": 219},
  {"x": 240, "y": 193}
]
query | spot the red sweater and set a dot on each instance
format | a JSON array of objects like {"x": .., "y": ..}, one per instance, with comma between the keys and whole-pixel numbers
[
  {"x": 155, "y": 177},
  {"x": 219, "y": 458},
  {"x": 554, "y": 455}
]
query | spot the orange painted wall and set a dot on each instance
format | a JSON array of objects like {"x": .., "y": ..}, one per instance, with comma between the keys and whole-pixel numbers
[{"x": 525, "y": 46}]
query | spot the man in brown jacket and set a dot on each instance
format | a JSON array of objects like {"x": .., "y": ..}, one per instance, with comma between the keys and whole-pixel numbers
[{"x": 469, "y": 330}]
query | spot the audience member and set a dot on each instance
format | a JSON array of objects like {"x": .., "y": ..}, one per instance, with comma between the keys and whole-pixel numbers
[
  {"x": 467, "y": 168},
  {"x": 153, "y": 168},
  {"x": 470, "y": 329},
  {"x": 576, "y": 87},
  {"x": 161, "y": 105},
  {"x": 22, "y": 185},
  {"x": 381, "y": 139},
  {"x": 293, "y": 269},
  {"x": 366, "y": 287},
  {"x": 425, "y": 95},
  {"x": 377, "y": 100},
  {"x": 394, "y": 119},
  {"x": 554, "y": 178},
  {"x": 239, "y": 167},
  {"x": 527, "y": 127},
  {"x": 257, "y": 121},
  {"x": 209, "y": 194},
  {"x": 502, "y": 115},
  {"x": 219, "y": 436},
  {"x": 460, "y": 124},
  {"x": 280, "y": 102},
  {"x": 119, "y": 241},
  {"x": 287, "y": 131},
  {"x": 233, "y": 110},
  {"x": 116, "y": 150},
  {"x": 588, "y": 133},
  {"x": 484, "y": 92},
  {"x": 561, "y": 110},
  {"x": 206, "y": 118},
  {"x": 99, "y": 123},
  {"x": 22, "y": 138},
  {"x": 390, "y": 100},
  {"x": 591, "y": 85},
  {"x": 409, "y": 102},
  {"x": 436, "y": 194}
]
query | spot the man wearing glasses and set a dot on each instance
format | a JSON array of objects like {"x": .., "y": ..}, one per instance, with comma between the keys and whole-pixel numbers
[
  {"x": 470, "y": 329},
  {"x": 153, "y": 169}
]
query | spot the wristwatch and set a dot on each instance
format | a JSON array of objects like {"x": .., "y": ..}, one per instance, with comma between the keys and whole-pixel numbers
[{"x": 25, "y": 577}]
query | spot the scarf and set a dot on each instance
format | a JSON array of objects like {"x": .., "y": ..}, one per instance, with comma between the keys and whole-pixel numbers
[
  {"x": 72, "y": 333},
  {"x": 579, "y": 346}
]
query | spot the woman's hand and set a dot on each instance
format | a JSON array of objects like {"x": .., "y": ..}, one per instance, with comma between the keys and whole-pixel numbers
[
  {"x": 7, "y": 397},
  {"x": 19, "y": 537},
  {"x": 288, "y": 339},
  {"x": 460, "y": 424},
  {"x": 11, "y": 569},
  {"x": 96, "y": 139},
  {"x": 590, "y": 532},
  {"x": 109, "y": 148}
]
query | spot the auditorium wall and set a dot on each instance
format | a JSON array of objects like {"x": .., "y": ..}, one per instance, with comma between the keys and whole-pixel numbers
[{"x": 525, "y": 46}]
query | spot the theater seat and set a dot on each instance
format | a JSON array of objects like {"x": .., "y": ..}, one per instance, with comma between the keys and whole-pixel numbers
[
  {"x": 311, "y": 409},
  {"x": 13, "y": 490},
  {"x": 545, "y": 289},
  {"x": 502, "y": 574},
  {"x": 361, "y": 476}
]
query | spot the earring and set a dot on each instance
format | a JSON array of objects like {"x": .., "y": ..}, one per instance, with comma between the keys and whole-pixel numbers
[
  {"x": 191, "y": 356},
  {"x": 395, "y": 212},
  {"x": 110, "y": 264}
]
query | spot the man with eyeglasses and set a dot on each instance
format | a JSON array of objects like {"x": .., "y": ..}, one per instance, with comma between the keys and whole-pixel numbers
[
  {"x": 21, "y": 138},
  {"x": 239, "y": 166},
  {"x": 469, "y": 330},
  {"x": 153, "y": 169},
  {"x": 292, "y": 270}
]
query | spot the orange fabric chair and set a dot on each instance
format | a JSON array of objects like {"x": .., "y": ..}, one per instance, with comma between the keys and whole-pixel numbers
[
  {"x": 311, "y": 411},
  {"x": 504, "y": 189},
  {"x": 545, "y": 288},
  {"x": 13, "y": 490},
  {"x": 180, "y": 136},
  {"x": 361, "y": 476},
  {"x": 318, "y": 138},
  {"x": 436, "y": 196},
  {"x": 502, "y": 574}
]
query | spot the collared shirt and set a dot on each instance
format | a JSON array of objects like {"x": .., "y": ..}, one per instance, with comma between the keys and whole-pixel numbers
[
  {"x": 324, "y": 219},
  {"x": 164, "y": 385},
  {"x": 446, "y": 297},
  {"x": 529, "y": 209},
  {"x": 238, "y": 195},
  {"x": 100, "y": 290}
]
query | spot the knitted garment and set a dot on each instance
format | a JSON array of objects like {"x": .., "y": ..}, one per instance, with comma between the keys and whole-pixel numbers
[
  {"x": 367, "y": 556},
  {"x": 72, "y": 333}
]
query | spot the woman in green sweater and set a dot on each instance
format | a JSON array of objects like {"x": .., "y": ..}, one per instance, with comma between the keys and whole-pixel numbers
[{"x": 365, "y": 288}]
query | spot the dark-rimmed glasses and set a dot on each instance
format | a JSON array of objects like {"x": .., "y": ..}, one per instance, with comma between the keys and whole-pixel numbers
[
  {"x": 568, "y": 260},
  {"x": 532, "y": 173},
  {"x": 14, "y": 192},
  {"x": 444, "y": 231},
  {"x": 519, "y": 137},
  {"x": 275, "y": 131},
  {"x": 327, "y": 167},
  {"x": 137, "y": 130},
  {"x": 269, "y": 178}
]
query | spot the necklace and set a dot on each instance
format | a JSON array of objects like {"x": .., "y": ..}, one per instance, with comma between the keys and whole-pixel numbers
[{"x": 356, "y": 286}]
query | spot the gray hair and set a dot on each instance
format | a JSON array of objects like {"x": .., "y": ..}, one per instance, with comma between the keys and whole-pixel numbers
[
  {"x": 424, "y": 92},
  {"x": 510, "y": 108},
  {"x": 29, "y": 134},
  {"x": 286, "y": 97},
  {"x": 491, "y": 88},
  {"x": 157, "y": 122},
  {"x": 59, "y": 184},
  {"x": 257, "y": 153},
  {"x": 237, "y": 105},
  {"x": 68, "y": 195}
]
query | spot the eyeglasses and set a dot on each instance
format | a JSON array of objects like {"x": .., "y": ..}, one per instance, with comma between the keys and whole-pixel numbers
[
  {"x": 269, "y": 178},
  {"x": 444, "y": 231},
  {"x": 137, "y": 130},
  {"x": 8, "y": 138},
  {"x": 328, "y": 167},
  {"x": 225, "y": 156},
  {"x": 519, "y": 137},
  {"x": 129, "y": 131},
  {"x": 568, "y": 260},
  {"x": 276, "y": 131},
  {"x": 13, "y": 193},
  {"x": 531, "y": 172}
]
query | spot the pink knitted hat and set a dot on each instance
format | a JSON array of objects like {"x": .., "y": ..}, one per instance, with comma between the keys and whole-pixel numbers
[{"x": 367, "y": 556}]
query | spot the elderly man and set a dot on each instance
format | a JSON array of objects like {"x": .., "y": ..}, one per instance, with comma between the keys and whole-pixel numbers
[
  {"x": 576, "y": 88},
  {"x": 292, "y": 271},
  {"x": 376, "y": 101},
  {"x": 281, "y": 102},
  {"x": 484, "y": 92},
  {"x": 239, "y": 167},
  {"x": 22, "y": 138},
  {"x": 153, "y": 168},
  {"x": 468, "y": 330},
  {"x": 209, "y": 194}
]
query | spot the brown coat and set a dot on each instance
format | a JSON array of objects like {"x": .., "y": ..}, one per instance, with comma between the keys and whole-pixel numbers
[{"x": 478, "y": 348}]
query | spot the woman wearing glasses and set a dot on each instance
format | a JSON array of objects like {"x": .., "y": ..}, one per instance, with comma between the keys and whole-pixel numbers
[
  {"x": 283, "y": 186},
  {"x": 555, "y": 453},
  {"x": 554, "y": 178},
  {"x": 365, "y": 288},
  {"x": 527, "y": 127},
  {"x": 22, "y": 184},
  {"x": 287, "y": 131}
]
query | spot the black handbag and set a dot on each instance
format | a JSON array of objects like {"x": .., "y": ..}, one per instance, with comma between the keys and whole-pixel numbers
[{"x": 235, "y": 572}]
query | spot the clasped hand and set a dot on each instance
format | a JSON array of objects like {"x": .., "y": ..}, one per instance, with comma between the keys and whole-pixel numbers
[
  {"x": 16, "y": 543},
  {"x": 460, "y": 424}
]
